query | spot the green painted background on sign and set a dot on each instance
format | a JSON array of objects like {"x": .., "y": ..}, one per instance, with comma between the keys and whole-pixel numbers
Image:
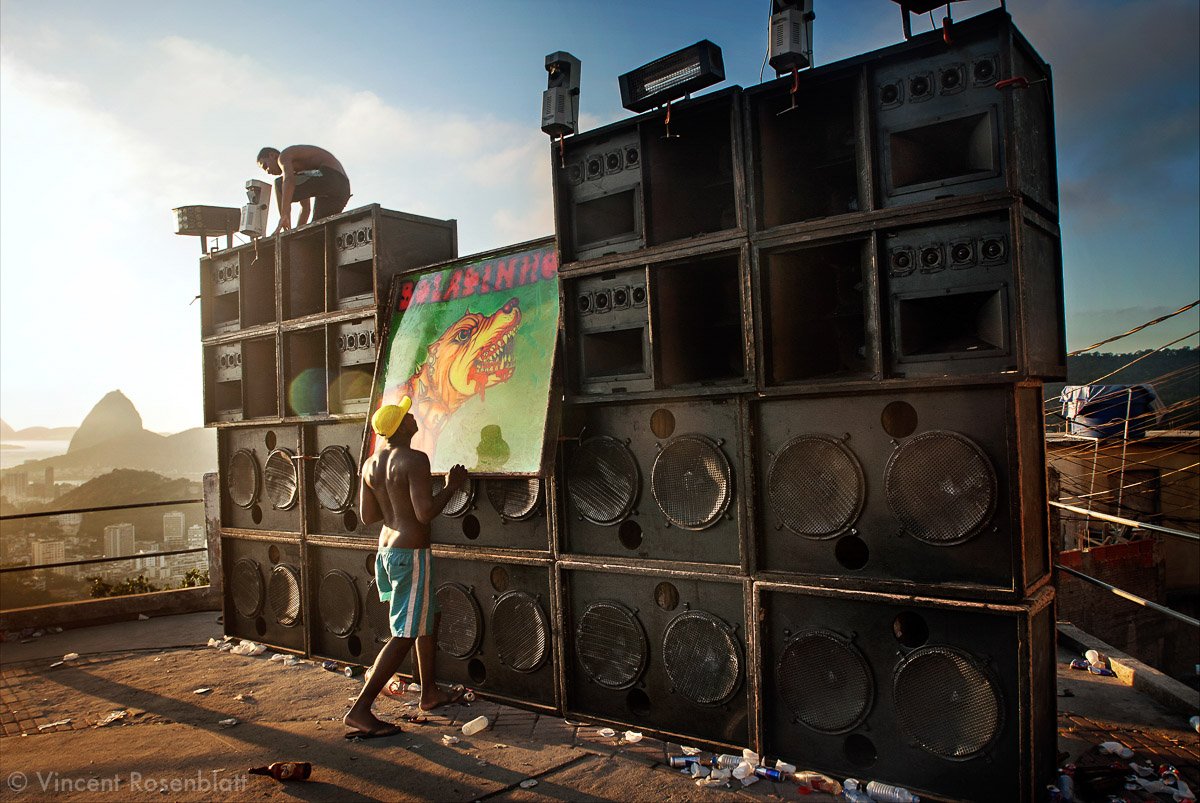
[{"x": 473, "y": 344}]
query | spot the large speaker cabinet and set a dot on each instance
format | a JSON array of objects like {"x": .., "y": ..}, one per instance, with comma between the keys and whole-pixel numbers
[
  {"x": 264, "y": 594},
  {"x": 237, "y": 288},
  {"x": 628, "y": 186},
  {"x": 241, "y": 380},
  {"x": 495, "y": 513},
  {"x": 952, "y": 699},
  {"x": 347, "y": 261},
  {"x": 496, "y": 633},
  {"x": 259, "y": 477},
  {"x": 659, "y": 651},
  {"x": 332, "y": 461},
  {"x": 347, "y": 620},
  {"x": 933, "y": 490},
  {"x": 659, "y": 481}
]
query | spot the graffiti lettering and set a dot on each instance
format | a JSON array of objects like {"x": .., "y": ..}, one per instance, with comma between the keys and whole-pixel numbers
[{"x": 479, "y": 279}]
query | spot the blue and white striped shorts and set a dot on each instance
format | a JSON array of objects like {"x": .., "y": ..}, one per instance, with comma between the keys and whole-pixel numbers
[{"x": 405, "y": 578}]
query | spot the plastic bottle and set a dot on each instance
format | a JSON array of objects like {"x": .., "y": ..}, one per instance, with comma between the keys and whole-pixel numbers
[
  {"x": 285, "y": 770},
  {"x": 1066, "y": 786},
  {"x": 475, "y": 726},
  {"x": 725, "y": 761},
  {"x": 886, "y": 793},
  {"x": 852, "y": 793}
]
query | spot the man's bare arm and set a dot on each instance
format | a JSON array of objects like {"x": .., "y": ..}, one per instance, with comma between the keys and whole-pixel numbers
[
  {"x": 287, "y": 190},
  {"x": 368, "y": 505},
  {"x": 426, "y": 504}
]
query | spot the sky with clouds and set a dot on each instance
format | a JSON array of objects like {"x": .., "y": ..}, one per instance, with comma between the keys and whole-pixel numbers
[{"x": 112, "y": 114}]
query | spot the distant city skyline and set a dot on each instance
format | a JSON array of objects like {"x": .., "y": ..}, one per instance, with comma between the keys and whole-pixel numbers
[{"x": 113, "y": 114}]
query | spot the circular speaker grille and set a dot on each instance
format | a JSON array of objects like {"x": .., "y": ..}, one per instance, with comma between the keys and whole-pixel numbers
[
  {"x": 692, "y": 482},
  {"x": 335, "y": 478},
  {"x": 377, "y": 614},
  {"x": 816, "y": 486},
  {"x": 968, "y": 705},
  {"x": 337, "y": 600},
  {"x": 460, "y": 501},
  {"x": 825, "y": 681},
  {"x": 702, "y": 657},
  {"x": 244, "y": 481},
  {"x": 941, "y": 486},
  {"x": 603, "y": 480},
  {"x": 281, "y": 481},
  {"x": 516, "y": 499},
  {"x": 521, "y": 631},
  {"x": 611, "y": 645},
  {"x": 283, "y": 595},
  {"x": 246, "y": 588},
  {"x": 461, "y": 628}
]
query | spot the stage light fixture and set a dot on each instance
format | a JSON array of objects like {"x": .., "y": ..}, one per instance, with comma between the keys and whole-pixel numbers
[
  {"x": 560, "y": 101},
  {"x": 791, "y": 35},
  {"x": 672, "y": 77},
  {"x": 254, "y": 214}
]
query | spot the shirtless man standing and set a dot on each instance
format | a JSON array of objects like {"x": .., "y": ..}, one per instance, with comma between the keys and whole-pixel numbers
[
  {"x": 306, "y": 171},
  {"x": 396, "y": 489}
]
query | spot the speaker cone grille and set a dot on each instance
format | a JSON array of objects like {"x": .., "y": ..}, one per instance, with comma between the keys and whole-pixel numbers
[
  {"x": 825, "y": 681},
  {"x": 246, "y": 587},
  {"x": 377, "y": 614},
  {"x": 941, "y": 486},
  {"x": 338, "y": 603},
  {"x": 244, "y": 481},
  {"x": 521, "y": 631},
  {"x": 461, "y": 628},
  {"x": 816, "y": 486},
  {"x": 281, "y": 481},
  {"x": 335, "y": 478},
  {"x": 603, "y": 480},
  {"x": 702, "y": 658},
  {"x": 460, "y": 501},
  {"x": 692, "y": 482},
  {"x": 515, "y": 499},
  {"x": 611, "y": 645},
  {"x": 947, "y": 703},
  {"x": 283, "y": 595}
]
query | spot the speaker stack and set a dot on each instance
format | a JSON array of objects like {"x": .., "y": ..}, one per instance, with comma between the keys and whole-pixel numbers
[
  {"x": 801, "y": 491},
  {"x": 288, "y": 326}
]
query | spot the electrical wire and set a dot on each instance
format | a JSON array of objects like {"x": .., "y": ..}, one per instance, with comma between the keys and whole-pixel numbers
[{"x": 1135, "y": 329}]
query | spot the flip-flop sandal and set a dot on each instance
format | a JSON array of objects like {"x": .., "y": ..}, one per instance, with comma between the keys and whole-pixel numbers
[
  {"x": 457, "y": 692},
  {"x": 394, "y": 688},
  {"x": 382, "y": 733}
]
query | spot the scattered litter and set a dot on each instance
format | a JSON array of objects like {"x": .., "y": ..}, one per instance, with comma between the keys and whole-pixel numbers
[
  {"x": 50, "y": 725},
  {"x": 713, "y": 780},
  {"x": 699, "y": 771},
  {"x": 468, "y": 696},
  {"x": 528, "y": 783},
  {"x": 606, "y": 732},
  {"x": 143, "y": 617},
  {"x": 55, "y": 629},
  {"x": 228, "y": 723},
  {"x": 286, "y": 660},
  {"x": 481, "y": 763},
  {"x": 749, "y": 779},
  {"x": 202, "y": 690},
  {"x": 1117, "y": 749},
  {"x": 743, "y": 770},
  {"x": 1096, "y": 658},
  {"x": 783, "y": 766},
  {"x": 71, "y": 656},
  {"x": 750, "y": 757},
  {"x": 690, "y": 751},
  {"x": 243, "y": 698},
  {"x": 817, "y": 782},
  {"x": 633, "y": 737},
  {"x": 413, "y": 687},
  {"x": 475, "y": 726},
  {"x": 248, "y": 648},
  {"x": 115, "y": 716},
  {"x": 447, "y": 739},
  {"x": 500, "y": 746},
  {"x": 1195, "y": 723},
  {"x": 56, "y": 663}
]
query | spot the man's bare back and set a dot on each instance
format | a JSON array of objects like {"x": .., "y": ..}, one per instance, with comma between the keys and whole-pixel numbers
[{"x": 309, "y": 157}]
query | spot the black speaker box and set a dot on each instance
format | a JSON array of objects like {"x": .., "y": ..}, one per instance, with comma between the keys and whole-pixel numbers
[
  {"x": 241, "y": 380},
  {"x": 264, "y": 595},
  {"x": 628, "y": 185},
  {"x": 305, "y": 371},
  {"x": 259, "y": 477},
  {"x": 657, "y": 481},
  {"x": 932, "y": 490},
  {"x": 237, "y": 288},
  {"x": 943, "y": 129},
  {"x": 346, "y": 619},
  {"x": 952, "y": 700},
  {"x": 976, "y": 295},
  {"x": 333, "y": 459},
  {"x": 657, "y": 651},
  {"x": 496, "y": 634},
  {"x": 352, "y": 350},
  {"x": 495, "y": 513}
]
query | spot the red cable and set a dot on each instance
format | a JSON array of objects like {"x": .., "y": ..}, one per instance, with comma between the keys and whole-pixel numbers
[{"x": 1018, "y": 81}]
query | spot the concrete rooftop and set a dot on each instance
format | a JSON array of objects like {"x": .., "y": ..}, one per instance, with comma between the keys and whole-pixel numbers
[{"x": 151, "y": 670}]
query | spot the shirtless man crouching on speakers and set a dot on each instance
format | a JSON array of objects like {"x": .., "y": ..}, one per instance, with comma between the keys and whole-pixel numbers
[{"x": 396, "y": 488}]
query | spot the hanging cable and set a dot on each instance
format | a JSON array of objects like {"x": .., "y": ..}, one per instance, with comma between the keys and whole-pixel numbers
[{"x": 1135, "y": 329}]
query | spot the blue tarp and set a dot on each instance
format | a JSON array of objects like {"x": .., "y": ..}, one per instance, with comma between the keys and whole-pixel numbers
[{"x": 1099, "y": 411}]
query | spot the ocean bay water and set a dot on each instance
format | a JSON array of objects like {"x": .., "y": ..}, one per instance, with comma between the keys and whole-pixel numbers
[{"x": 14, "y": 453}]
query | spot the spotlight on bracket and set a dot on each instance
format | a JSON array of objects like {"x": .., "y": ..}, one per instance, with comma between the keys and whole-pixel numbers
[
  {"x": 560, "y": 101},
  {"x": 254, "y": 214},
  {"x": 672, "y": 77},
  {"x": 791, "y": 35}
]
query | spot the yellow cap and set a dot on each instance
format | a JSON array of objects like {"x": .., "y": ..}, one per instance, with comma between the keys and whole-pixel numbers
[{"x": 387, "y": 418}]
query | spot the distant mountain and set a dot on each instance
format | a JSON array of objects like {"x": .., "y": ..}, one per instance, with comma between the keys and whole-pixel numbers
[
  {"x": 5, "y": 430},
  {"x": 123, "y": 486},
  {"x": 113, "y": 417},
  {"x": 41, "y": 434},
  {"x": 193, "y": 451}
]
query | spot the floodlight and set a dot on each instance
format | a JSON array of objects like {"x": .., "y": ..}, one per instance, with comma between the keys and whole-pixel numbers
[{"x": 672, "y": 77}]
